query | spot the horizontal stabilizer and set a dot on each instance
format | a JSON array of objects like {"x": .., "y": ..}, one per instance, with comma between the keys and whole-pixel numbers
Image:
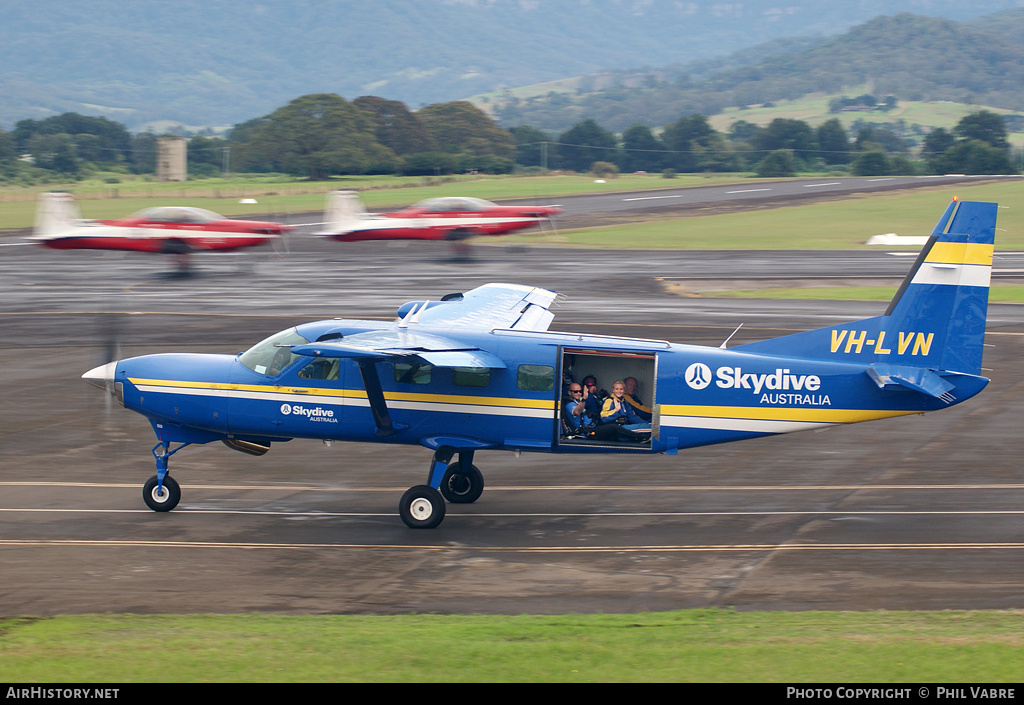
[{"x": 917, "y": 379}]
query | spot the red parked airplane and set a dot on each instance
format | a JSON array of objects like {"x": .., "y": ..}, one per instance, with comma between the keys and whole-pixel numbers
[
  {"x": 446, "y": 218},
  {"x": 167, "y": 229}
]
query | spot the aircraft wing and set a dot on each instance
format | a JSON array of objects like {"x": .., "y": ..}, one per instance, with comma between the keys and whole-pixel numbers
[
  {"x": 491, "y": 306},
  {"x": 401, "y": 342},
  {"x": 484, "y": 308}
]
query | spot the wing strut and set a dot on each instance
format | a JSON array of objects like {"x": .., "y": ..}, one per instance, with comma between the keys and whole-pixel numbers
[{"x": 375, "y": 394}]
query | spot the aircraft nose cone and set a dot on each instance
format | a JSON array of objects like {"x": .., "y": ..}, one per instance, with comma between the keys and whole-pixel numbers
[{"x": 102, "y": 376}]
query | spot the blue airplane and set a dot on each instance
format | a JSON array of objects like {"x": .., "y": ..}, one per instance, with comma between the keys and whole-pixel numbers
[{"x": 481, "y": 371}]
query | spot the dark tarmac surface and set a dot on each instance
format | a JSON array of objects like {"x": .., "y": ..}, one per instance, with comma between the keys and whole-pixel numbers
[{"x": 920, "y": 512}]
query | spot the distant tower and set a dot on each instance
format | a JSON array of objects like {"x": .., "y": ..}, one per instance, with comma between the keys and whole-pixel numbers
[{"x": 171, "y": 159}]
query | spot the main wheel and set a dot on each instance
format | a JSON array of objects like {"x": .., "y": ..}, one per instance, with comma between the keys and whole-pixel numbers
[
  {"x": 422, "y": 507},
  {"x": 175, "y": 247},
  {"x": 164, "y": 500},
  {"x": 462, "y": 487}
]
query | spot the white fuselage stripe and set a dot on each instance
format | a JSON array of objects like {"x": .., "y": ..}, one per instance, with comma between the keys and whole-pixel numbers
[
  {"x": 438, "y": 406},
  {"x": 104, "y": 232},
  {"x": 427, "y": 223},
  {"x": 707, "y": 423}
]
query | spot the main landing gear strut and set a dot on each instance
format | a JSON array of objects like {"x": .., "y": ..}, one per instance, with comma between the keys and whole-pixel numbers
[
  {"x": 423, "y": 506},
  {"x": 161, "y": 493}
]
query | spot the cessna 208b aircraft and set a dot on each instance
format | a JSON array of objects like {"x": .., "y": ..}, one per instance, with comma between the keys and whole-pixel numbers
[{"x": 481, "y": 371}]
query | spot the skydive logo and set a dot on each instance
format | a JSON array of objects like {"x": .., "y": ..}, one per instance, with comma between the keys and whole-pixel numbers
[
  {"x": 779, "y": 380},
  {"x": 698, "y": 375},
  {"x": 317, "y": 413}
]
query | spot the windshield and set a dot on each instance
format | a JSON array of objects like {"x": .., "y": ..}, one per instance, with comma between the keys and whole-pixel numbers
[
  {"x": 274, "y": 354},
  {"x": 175, "y": 214},
  {"x": 453, "y": 204}
]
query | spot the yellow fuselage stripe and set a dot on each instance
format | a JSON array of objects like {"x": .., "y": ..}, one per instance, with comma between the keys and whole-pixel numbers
[
  {"x": 352, "y": 393},
  {"x": 783, "y": 414}
]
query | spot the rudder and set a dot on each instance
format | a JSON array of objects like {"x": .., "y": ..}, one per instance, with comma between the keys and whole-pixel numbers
[{"x": 56, "y": 211}]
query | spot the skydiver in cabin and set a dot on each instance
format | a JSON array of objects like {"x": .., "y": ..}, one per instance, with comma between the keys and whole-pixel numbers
[
  {"x": 576, "y": 415},
  {"x": 592, "y": 397},
  {"x": 618, "y": 421},
  {"x": 644, "y": 412}
]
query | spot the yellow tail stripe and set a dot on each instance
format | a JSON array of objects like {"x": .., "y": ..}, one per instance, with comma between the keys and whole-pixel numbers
[{"x": 960, "y": 253}]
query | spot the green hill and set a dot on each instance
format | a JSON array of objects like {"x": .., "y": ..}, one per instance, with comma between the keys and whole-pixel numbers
[
  {"x": 912, "y": 57},
  {"x": 200, "y": 63}
]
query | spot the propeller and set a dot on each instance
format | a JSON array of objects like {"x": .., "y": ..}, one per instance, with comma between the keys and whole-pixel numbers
[
  {"x": 551, "y": 225},
  {"x": 102, "y": 376},
  {"x": 280, "y": 245}
]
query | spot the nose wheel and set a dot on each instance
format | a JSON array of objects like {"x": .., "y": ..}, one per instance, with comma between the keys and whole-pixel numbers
[{"x": 161, "y": 498}]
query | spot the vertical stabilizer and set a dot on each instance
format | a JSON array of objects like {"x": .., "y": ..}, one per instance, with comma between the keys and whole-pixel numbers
[
  {"x": 55, "y": 213},
  {"x": 344, "y": 211},
  {"x": 944, "y": 299},
  {"x": 935, "y": 322}
]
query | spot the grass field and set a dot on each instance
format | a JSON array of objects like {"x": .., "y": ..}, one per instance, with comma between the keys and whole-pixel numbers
[
  {"x": 814, "y": 110},
  {"x": 997, "y": 294},
  {"x": 279, "y": 195},
  {"x": 844, "y": 224},
  {"x": 684, "y": 646},
  {"x": 830, "y": 225}
]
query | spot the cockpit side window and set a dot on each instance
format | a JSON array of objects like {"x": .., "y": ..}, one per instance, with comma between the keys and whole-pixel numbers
[{"x": 274, "y": 354}]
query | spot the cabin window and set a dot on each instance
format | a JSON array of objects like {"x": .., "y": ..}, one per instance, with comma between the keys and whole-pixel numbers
[
  {"x": 535, "y": 378},
  {"x": 414, "y": 373},
  {"x": 471, "y": 376},
  {"x": 271, "y": 356},
  {"x": 323, "y": 368}
]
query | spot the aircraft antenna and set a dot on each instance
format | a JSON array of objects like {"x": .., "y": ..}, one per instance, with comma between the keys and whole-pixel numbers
[
  {"x": 419, "y": 312},
  {"x": 722, "y": 346}
]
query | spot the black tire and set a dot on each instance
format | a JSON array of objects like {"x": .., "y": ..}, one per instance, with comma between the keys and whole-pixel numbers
[
  {"x": 422, "y": 507},
  {"x": 462, "y": 488},
  {"x": 167, "y": 500},
  {"x": 175, "y": 247}
]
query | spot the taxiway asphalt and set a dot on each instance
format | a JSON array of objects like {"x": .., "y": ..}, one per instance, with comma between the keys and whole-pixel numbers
[{"x": 921, "y": 512}]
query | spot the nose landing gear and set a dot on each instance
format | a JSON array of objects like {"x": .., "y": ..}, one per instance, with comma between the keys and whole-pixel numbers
[{"x": 161, "y": 493}]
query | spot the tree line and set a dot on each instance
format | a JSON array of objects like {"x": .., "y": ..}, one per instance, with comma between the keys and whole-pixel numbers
[{"x": 320, "y": 135}]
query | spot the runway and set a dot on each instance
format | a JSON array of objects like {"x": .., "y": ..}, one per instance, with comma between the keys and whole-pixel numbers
[{"x": 921, "y": 512}]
